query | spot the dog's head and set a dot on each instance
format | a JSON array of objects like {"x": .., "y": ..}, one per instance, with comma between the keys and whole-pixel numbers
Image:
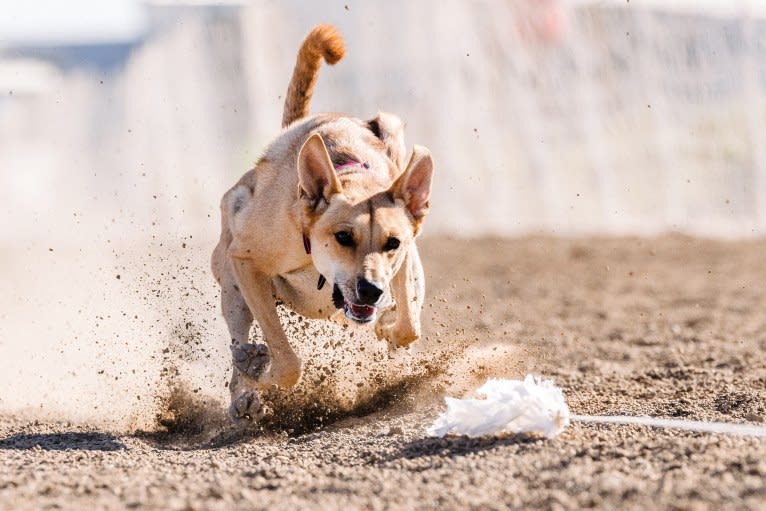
[{"x": 360, "y": 237}]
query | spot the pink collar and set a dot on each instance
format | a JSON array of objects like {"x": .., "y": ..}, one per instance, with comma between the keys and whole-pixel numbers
[{"x": 351, "y": 166}]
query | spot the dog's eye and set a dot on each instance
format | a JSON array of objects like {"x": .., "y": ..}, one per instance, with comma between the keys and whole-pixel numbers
[
  {"x": 344, "y": 238},
  {"x": 391, "y": 244}
]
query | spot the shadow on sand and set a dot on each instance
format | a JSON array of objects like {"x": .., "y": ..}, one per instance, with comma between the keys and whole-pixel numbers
[
  {"x": 62, "y": 442},
  {"x": 456, "y": 446}
]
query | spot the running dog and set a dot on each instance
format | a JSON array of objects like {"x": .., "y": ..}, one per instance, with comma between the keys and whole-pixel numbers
[{"x": 325, "y": 222}]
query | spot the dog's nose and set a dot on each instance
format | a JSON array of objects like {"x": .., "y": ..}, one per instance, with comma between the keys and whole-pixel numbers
[{"x": 368, "y": 292}]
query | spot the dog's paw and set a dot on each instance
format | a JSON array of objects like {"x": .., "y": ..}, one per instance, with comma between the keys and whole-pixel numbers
[
  {"x": 385, "y": 324},
  {"x": 382, "y": 332},
  {"x": 264, "y": 370},
  {"x": 251, "y": 359},
  {"x": 246, "y": 409},
  {"x": 285, "y": 371},
  {"x": 404, "y": 337},
  {"x": 397, "y": 335}
]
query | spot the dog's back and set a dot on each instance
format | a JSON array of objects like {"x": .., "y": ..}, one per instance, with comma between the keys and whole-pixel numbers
[{"x": 322, "y": 42}]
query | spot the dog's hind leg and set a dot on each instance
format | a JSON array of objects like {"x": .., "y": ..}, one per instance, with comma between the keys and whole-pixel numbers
[
  {"x": 237, "y": 314},
  {"x": 245, "y": 401},
  {"x": 250, "y": 359}
]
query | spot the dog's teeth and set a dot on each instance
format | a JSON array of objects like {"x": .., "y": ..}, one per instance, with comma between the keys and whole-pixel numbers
[{"x": 320, "y": 283}]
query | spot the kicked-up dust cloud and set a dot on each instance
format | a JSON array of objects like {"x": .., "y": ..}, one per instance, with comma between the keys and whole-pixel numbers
[{"x": 131, "y": 337}]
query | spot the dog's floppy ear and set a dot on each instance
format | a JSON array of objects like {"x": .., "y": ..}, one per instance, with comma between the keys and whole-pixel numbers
[
  {"x": 413, "y": 187},
  {"x": 316, "y": 173}
]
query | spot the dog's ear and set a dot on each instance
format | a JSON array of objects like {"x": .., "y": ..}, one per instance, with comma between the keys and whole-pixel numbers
[
  {"x": 413, "y": 187},
  {"x": 316, "y": 173}
]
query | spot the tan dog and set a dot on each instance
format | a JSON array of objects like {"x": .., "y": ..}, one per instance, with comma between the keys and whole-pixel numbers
[{"x": 331, "y": 200}]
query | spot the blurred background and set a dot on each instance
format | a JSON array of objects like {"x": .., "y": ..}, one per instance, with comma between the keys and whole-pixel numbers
[
  {"x": 122, "y": 122},
  {"x": 559, "y": 116}
]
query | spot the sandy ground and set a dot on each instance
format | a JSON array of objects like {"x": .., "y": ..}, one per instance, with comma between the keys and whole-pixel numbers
[{"x": 670, "y": 327}]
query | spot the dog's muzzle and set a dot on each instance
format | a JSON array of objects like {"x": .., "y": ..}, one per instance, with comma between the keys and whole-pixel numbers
[{"x": 359, "y": 312}]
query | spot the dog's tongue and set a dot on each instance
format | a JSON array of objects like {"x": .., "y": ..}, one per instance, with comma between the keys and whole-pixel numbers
[{"x": 362, "y": 311}]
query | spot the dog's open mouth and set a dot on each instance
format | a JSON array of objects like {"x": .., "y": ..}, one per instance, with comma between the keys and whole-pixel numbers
[{"x": 354, "y": 311}]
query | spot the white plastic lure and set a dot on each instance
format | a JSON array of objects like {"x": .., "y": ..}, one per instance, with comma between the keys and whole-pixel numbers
[{"x": 511, "y": 406}]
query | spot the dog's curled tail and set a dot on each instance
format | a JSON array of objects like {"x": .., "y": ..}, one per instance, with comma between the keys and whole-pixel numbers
[{"x": 322, "y": 42}]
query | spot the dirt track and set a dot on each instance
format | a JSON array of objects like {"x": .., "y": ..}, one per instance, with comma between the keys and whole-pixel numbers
[{"x": 670, "y": 327}]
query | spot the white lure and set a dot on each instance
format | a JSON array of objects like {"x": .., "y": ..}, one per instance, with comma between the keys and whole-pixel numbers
[{"x": 511, "y": 406}]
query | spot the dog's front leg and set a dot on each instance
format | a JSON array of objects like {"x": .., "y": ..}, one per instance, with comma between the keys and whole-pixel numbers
[
  {"x": 408, "y": 290},
  {"x": 285, "y": 367}
]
